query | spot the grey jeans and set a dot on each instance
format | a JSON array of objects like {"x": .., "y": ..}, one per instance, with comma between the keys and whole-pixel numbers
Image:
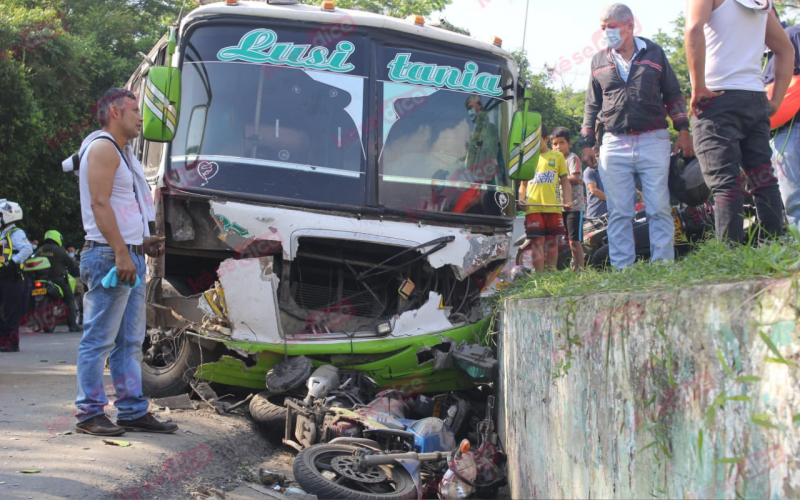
[{"x": 733, "y": 130}]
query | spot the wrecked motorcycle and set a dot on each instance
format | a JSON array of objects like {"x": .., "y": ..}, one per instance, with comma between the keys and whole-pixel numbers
[
  {"x": 332, "y": 410},
  {"x": 422, "y": 462}
]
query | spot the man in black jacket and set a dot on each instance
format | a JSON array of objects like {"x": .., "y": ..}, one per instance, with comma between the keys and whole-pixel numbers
[
  {"x": 631, "y": 85},
  {"x": 60, "y": 264}
]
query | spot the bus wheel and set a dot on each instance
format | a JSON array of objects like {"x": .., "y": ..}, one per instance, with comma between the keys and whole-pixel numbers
[{"x": 169, "y": 364}]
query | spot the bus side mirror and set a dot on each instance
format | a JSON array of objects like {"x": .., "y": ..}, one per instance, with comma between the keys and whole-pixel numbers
[
  {"x": 162, "y": 104},
  {"x": 524, "y": 143}
]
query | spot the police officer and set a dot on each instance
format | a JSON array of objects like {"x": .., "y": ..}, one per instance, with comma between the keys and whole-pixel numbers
[
  {"x": 60, "y": 264},
  {"x": 15, "y": 250}
]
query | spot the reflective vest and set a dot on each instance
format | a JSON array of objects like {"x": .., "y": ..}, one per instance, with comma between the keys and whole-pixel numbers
[{"x": 6, "y": 264}]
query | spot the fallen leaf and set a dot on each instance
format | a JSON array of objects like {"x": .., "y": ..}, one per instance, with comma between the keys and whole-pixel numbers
[
  {"x": 116, "y": 442},
  {"x": 30, "y": 471},
  {"x": 61, "y": 361}
]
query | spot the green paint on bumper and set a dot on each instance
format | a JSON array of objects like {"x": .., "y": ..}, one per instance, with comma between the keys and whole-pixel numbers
[{"x": 391, "y": 362}]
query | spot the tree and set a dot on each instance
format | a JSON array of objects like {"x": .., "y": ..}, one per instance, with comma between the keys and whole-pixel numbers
[
  {"x": 563, "y": 109},
  {"x": 55, "y": 59}
]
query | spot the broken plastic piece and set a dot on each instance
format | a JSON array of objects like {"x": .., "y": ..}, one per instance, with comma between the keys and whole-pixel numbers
[
  {"x": 476, "y": 361},
  {"x": 181, "y": 402},
  {"x": 441, "y": 354},
  {"x": 289, "y": 374}
]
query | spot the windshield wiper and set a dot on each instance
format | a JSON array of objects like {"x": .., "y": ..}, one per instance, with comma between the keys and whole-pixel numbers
[{"x": 438, "y": 242}]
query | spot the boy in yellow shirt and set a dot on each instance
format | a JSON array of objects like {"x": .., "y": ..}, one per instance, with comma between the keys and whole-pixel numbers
[{"x": 542, "y": 201}]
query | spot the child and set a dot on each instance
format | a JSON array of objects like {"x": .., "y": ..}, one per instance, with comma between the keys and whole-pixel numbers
[
  {"x": 573, "y": 219},
  {"x": 543, "y": 203},
  {"x": 596, "y": 206}
]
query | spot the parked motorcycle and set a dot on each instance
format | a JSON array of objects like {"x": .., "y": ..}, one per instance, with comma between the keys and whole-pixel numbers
[
  {"x": 692, "y": 225},
  {"x": 47, "y": 299},
  {"x": 693, "y": 216}
]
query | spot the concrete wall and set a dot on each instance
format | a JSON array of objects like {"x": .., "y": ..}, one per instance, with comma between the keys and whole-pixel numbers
[{"x": 626, "y": 417}]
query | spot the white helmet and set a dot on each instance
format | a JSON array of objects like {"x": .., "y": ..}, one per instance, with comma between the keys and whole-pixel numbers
[{"x": 9, "y": 212}]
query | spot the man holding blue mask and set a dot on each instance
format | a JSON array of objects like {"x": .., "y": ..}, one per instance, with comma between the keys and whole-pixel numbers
[{"x": 631, "y": 85}]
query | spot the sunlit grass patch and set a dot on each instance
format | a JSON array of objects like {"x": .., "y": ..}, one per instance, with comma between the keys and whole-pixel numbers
[{"x": 712, "y": 262}]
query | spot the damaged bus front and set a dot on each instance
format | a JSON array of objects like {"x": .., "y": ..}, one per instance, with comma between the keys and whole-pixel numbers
[{"x": 341, "y": 194}]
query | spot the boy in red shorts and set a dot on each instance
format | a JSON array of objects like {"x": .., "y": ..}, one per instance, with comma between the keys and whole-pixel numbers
[{"x": 542, "y": 200}]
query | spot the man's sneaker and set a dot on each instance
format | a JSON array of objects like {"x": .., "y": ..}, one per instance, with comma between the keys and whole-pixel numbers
[
  {"x": 75, "y": 328},
  {"x": 148, "y": 423},
  {"x": 99, "y": 425}
]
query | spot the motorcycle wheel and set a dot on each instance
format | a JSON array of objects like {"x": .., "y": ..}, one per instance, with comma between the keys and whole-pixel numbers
[
  {"x": 49, "y": 320},
  {"x": 267, "y": 409},
  {"x": 320, "y": 473},
  {"x": 600, "y": 258}
]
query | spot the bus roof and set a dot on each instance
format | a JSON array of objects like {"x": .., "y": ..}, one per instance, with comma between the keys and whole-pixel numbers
[{"x": 313, "y": 13}]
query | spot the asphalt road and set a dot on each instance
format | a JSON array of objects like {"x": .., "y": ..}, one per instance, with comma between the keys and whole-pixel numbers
[{"x": 37, "y": 393}]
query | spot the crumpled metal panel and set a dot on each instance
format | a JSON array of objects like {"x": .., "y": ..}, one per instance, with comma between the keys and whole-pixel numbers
[{"x": 242, "y": 223}]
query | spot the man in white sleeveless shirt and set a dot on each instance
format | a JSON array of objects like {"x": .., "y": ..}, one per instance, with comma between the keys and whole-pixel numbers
[
  {"x": 724, "y": 45},
  {"x": 117, "y": 210}
]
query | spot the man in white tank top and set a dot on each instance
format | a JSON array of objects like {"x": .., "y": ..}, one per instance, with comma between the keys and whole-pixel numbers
[
  {"x": 115, "y": 211},
  {"x": 724, "y": 45}
]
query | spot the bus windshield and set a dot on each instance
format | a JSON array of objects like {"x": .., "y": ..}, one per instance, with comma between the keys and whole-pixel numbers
[
  {"x": 270, "y": 129},
  {"x": 274, "y": 114}
]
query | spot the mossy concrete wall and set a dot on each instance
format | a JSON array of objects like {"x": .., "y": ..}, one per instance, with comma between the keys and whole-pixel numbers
[{"x": 637, "y": 403}]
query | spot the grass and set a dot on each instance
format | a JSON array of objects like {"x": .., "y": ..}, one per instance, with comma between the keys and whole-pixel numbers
[{"x": 711, "y": 262}]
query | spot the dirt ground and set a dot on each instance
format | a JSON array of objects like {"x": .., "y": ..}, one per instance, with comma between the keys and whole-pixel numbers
[{"x": 37, "y": 392}]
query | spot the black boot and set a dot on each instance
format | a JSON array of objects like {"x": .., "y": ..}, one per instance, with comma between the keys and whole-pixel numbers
[
  {"x": 10, "y": 347},
  {"x": 99, "y": 425},
  {"x": 148, "y": 423}
]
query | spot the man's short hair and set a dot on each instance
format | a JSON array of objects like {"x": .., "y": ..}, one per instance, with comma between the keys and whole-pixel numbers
[
  {"x": 545, "y": 131},
  {"x": 472, "y": 99},
  {"x": 596, "y": 148},
  {"x": 617, "y": 12},
  {"x": 562, "y": 132},
  {"x": 111, "y": 97}
]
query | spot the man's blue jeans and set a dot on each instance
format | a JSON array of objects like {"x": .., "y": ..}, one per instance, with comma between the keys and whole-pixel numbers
[
  {"x": 114, "y": 322},
  {"x": 621, "y": 157},
  {"x": 786, "y": 168}
]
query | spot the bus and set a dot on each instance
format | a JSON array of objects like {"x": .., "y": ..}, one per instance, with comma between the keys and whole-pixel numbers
[{"x": 333, "y": 184}]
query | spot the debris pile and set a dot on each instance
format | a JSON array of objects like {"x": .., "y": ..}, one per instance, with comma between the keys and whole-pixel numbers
[{"x": 355, "y": 439}]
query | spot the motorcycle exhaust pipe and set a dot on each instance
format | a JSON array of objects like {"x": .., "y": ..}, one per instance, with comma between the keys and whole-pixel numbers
[{"x": 366, "y": 461}]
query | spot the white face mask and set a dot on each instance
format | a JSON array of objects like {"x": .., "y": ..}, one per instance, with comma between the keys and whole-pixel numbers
[
  {"x": 472, "y": 114},
  {"x": 35, "y": 246},
  {"x": 613, "y": 38}
]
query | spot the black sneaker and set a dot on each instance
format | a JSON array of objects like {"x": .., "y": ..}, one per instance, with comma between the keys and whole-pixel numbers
[
  {"x": 75, "y": 328},
  {"x": 99, "y": 426},
  {"x": 148, "y": 423}
]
